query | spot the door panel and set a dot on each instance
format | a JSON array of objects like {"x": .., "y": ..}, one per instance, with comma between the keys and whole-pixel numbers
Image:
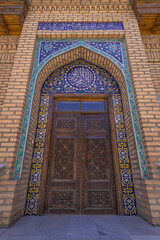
[
  {"x": 62, "y": 189},
  {"x": 98, "y": 180}
]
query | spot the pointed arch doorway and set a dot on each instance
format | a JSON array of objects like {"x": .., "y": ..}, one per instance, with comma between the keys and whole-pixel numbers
[{"x": 100, "y": 85}]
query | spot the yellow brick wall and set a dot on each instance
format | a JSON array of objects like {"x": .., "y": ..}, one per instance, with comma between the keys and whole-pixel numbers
[
  {"x": 13, "y": 193},
  {"x": 8, "y": 46},
  {"x": 152, "y": 48}
]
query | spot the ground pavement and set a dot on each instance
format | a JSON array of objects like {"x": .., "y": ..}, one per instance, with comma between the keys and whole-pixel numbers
[{"x": 80, "y": 227}]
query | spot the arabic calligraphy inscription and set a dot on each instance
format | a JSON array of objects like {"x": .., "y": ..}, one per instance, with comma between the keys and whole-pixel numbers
[{"x": 80, "y": 77}]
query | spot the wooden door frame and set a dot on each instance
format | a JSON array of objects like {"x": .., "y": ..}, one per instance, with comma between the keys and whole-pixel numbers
[{"x": 115, "y": 159}]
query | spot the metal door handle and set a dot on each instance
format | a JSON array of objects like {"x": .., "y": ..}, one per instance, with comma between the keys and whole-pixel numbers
[{"x": 82, "y": 158}]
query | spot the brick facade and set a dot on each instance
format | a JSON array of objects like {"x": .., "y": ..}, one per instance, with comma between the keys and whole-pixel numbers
[
  {"x": 8, "y": 46},
  {"x": 152, "y": 45},
  {"x": 15, "y": 83}
]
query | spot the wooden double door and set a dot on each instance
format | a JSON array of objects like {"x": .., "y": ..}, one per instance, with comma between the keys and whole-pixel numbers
[{"x": 80, "y": 172}]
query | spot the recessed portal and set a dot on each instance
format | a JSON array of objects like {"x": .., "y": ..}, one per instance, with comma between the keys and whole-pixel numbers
[
  {"x": 81, "y": 181},
  {"x": 80, "y": 173}
]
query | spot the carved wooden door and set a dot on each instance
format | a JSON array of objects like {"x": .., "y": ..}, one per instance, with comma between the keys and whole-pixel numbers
[
  {"x": 98, "y": 191},
  {"x": 80, "y": 175},
  {"x": 62, "y": 194}
]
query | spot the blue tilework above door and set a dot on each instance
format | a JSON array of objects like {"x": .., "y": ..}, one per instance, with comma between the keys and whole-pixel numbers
[
  {"x": 111, "y": 48},
  {"x": 73, "y": 26}
]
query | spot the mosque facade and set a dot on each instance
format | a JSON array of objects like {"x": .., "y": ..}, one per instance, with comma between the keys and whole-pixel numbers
[{"x": 79, "y": 108}]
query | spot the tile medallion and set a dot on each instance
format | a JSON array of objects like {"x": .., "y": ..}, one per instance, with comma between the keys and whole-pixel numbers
[
  {"x": 61, "y": 26},
  {"x": 100, "y": 81},
  {"x": 81, "y": 77}
]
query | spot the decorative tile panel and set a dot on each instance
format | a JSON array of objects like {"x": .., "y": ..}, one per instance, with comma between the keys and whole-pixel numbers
[
  {"x": 73, "y": 26},
  {"x": 100, "y": 50},
  {"x": 102, "y": 82},
  {"x": 112, "y": 48},
  {"x": 50, "y": 47},
  {"x": 80, "y": 78}
]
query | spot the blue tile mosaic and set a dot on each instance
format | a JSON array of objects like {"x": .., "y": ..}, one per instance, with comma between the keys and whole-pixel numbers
[
  {"x": 61, "y": 26},
  {"x": 112, "y": 48},
  {"x": 81, "y": 77},
  {"x": 124, "y": 68},
  {"x": 49, "y": 47}
]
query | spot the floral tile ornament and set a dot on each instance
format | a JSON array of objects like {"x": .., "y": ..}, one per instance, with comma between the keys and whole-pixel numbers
[
  {"x": 81, "y": 77},
  {"x": 119, "y": 58},
  {"x": 49, "y": 47}
]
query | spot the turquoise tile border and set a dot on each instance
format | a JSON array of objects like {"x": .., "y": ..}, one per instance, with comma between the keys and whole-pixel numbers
[{"x": 124, "y": 68}]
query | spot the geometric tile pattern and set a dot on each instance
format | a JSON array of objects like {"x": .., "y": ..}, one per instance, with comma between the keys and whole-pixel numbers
[
  {"x": 37, "y": 158},
  {"x": 61, "y": 26},
  {"x": 100, "y": 49},
  {"x": 104, "y": 83}
]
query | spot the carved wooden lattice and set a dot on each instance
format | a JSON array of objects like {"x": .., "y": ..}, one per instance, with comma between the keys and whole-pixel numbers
[
  {"x": 95, "y": 124},
  {"x": 63, "y": 199},
  {"x": 96, "y": 158},
  {"x": 98, "y": 198},
  {"x": 64, "y": 158},
  {"x": 66, "y": 123}
]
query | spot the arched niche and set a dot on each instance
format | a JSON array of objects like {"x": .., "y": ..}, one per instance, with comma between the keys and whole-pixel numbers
[{"x": 98, "y": 60}]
